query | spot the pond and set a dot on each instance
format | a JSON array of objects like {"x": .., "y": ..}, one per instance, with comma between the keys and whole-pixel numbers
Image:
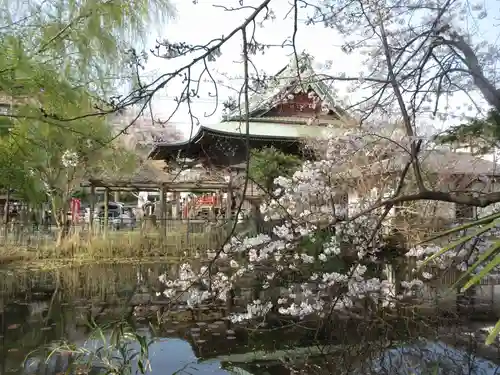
[{"x": 39, "y": 308}]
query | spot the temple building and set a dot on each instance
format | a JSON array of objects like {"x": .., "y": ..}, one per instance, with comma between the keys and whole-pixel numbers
[
  {"x": 282, "y": 114},
  {"x": 293, "y": 105}
]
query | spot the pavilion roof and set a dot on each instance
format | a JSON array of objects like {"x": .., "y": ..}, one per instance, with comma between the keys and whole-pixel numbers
[
  {"x": 261, "y": 129},
  {"x": 154, "y": 174}
]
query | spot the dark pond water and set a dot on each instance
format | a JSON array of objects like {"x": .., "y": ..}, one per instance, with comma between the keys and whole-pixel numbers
[{"x": 39, "y": 308}]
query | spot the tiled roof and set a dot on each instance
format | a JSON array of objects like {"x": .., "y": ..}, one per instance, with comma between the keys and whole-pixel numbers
[
  {"x": 432, "y": 161},
  {"x": 287, "y": 82},
  {"x": 258, "y": 130},
  {"x": 285, "y": 128},
  {"x": 450, "y": 162},
  {"x": 272, "y": 129}
]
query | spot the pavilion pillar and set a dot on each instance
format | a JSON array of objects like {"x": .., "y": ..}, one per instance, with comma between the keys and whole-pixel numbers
[
  {"x": 220, "y": 202},
  {"x": 177, "y": 214},
  {"x": 163, "y": 211},
  {"x": 116, "y": 196},
  {"x": 229, "y": 199},
  {"x": 92, "y": 210},
  {"x": 106, "y": 211}
]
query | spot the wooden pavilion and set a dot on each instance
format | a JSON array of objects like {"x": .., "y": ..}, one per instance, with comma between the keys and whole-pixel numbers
[{"x": 155, "y": 176}]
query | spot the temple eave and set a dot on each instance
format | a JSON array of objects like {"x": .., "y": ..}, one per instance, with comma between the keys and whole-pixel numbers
[
  {"x": 220, "y": 155},
  {"x": 195, "y": 149}
]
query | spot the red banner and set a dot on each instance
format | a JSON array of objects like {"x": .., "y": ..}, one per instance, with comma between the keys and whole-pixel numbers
[
  {"x": 204, "y": 200},
  {"x": 75, "y": 209}
]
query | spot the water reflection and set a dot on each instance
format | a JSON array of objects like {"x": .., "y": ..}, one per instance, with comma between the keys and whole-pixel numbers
[
  {"x": 424, "y": 357},
  {"x": 166, "y": 356},
  {"x": 38, "y": 308}
]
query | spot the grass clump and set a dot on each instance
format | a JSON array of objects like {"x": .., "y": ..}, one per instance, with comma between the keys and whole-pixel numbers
[{"x": 118, "y": 245}]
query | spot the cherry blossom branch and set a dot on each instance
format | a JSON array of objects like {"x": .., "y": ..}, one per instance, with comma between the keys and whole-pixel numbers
[
  {"x": 402, "y": 106},
  {"x": 399, "y": 187},
  {"x": 463, "y": 198}
]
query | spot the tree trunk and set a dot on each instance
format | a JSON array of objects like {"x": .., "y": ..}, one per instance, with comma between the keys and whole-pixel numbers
[
  {"x": 62, "y": 231},
  {"x": 60, "y": 216},
  {"x": 257, "y": 216},
  {"x": 6, "y": 215}
]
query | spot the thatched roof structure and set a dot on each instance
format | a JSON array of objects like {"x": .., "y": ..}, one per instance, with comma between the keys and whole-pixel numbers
[
  {"x": 440, "y": 162},
  {"x": 152, "y": 175}
]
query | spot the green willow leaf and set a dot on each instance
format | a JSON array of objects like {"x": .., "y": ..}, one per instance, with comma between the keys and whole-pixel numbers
[
  {"x": 475, "y": 223},
  {"x": 101, "y": 335},
  {"x": 486, "y": 255},
  {"x": 115, "y": 337},
  {"x": 461, "y": 241},
  {"x": 484, "y": 272},
  {"x": 493, "y": 334},
  {"x": 142, "y": 369}
]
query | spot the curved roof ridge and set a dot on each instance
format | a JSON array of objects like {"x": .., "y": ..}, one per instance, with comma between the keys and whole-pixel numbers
[
  {"x": 287, "y": 76},
  {"x": 184, "y": 141}
]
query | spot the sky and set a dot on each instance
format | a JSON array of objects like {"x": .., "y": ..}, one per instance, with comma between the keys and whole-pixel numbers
[{"x": 200, "y": 21}]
